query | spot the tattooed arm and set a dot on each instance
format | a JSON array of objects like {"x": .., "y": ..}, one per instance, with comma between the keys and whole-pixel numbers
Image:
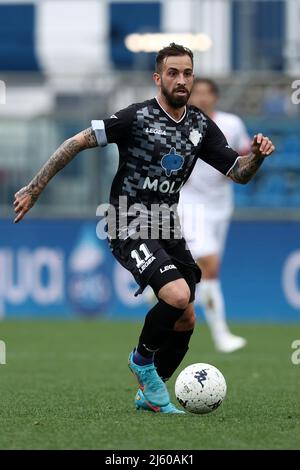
[
  {"x": 246, "y": 167},
  {"x": 27, "y": 196}
]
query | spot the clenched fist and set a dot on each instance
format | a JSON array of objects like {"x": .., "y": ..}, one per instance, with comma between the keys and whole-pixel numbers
[{"x": 262, "y": 146}]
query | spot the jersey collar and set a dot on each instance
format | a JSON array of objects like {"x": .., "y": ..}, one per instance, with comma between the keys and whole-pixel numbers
[{"x": 169, "y": 116}]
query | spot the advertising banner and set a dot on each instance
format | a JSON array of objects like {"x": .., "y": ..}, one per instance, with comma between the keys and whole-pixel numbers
[{"x": 60, "y": 268}]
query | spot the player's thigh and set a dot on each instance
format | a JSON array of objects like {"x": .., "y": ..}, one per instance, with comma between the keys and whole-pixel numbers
[
  {"x": 182, "y": 257},
  {"x": 175, "y": 281},
  {"x": 199, "y": 224},
  {"x": 205, "y": 241},
  {"x": 209, "y": 243},
  {"x": 209, "y": 257},
  {"x": 193, "y": 222},
  {"x": 146, "y": 260}
]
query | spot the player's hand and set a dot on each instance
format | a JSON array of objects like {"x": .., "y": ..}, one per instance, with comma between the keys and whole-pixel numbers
[
  {"x": 24, "y": 200},
  {"x": 262, "y": 146}
]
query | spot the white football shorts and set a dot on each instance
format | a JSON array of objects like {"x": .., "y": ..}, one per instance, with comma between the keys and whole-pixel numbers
[{"x": 204, "y": 226}]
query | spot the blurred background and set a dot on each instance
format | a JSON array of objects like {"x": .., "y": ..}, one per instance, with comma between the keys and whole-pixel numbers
[{"x": 64, "y": 63}]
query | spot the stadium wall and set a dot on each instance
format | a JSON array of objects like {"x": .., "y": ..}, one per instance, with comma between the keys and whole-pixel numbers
[
  {"x": 59, "y": 268},
  {"x": 35, "y": 35}
]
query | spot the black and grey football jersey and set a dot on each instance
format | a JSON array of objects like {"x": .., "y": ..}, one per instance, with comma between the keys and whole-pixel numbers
[{"x": 157, "y": 153}]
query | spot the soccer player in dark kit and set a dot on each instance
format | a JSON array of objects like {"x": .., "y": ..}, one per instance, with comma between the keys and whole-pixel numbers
[{"x": 159, "y": 142}]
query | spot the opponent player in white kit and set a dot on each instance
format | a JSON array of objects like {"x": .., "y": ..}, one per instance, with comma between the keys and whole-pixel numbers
[{"x": 213, "y": 191}]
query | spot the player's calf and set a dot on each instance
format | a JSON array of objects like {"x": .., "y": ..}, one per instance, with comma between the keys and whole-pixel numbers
[
  {"x": 169, "y": 357},
  {"x": 159, "y": 323},
  {"x": 187, "y": 321}
]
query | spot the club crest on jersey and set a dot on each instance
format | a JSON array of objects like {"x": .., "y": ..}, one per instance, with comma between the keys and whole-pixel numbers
[
  {"x": 172, "y": 162},
  {"x": 195, "y": 137}
]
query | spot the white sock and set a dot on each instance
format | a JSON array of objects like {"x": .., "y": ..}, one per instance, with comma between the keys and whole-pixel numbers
[{"x": 211, "y": 298}]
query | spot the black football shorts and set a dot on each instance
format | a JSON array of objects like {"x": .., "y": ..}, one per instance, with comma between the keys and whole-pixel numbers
[{"x": 157, "y": 262}]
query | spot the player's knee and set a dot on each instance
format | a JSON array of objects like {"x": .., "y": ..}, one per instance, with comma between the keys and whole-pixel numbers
[
  {"x": 180, "y": 297},
  {"x": 177, "y": 294}
]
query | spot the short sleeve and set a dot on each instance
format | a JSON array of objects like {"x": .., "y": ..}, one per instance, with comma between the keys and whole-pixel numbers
[
  {"x": 114, "y": 129},
  {"x": 215, "y": 149}
]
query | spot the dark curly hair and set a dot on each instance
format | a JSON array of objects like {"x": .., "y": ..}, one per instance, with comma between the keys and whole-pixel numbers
[{"x": 172, "y": 50}]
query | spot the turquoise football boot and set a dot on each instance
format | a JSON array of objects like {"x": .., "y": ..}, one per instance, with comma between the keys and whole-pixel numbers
[
  {"x": 154, "y": 389},
  {"x": 142, "y": 404}
]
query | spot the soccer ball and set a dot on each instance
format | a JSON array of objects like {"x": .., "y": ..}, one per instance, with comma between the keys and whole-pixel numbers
[{"x": 200, "y": 388}]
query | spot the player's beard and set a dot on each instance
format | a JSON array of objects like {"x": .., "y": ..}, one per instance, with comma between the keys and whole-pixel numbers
[{"x": 173, "y": 100}]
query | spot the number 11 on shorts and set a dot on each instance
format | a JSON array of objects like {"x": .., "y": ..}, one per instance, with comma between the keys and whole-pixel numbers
[{"x": 135, "y": 255}]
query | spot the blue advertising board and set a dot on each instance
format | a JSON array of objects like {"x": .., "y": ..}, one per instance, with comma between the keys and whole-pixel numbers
[{"x": 59, "y": 268}]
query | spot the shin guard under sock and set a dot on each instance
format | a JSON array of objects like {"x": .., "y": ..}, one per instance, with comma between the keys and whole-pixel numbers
[
  {"x": 168, "y": 358},
  {"x": 159, "y": 323}
]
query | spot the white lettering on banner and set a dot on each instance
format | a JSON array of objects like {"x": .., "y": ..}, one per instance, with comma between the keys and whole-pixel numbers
[
  {"x": 14, "y": 276},
  {"x": 53, "y": 291},
  {"x": 37, "y": 274},
  {"x": 291, "y": 270},
  {"x": 13, "y": 285}
]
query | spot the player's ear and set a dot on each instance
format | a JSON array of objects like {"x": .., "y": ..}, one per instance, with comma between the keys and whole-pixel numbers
[{"x": 157, "y": 79}]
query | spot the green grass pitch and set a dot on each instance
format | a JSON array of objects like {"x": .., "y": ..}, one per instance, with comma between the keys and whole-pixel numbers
[{"x": 66, "y": 385}]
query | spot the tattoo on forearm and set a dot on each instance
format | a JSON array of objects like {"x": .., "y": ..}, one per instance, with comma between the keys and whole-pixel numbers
[
  {"x": 245, "y": 168},
  {"x": 27, "y": 196},
  {"x": 61, "y": 157}
]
